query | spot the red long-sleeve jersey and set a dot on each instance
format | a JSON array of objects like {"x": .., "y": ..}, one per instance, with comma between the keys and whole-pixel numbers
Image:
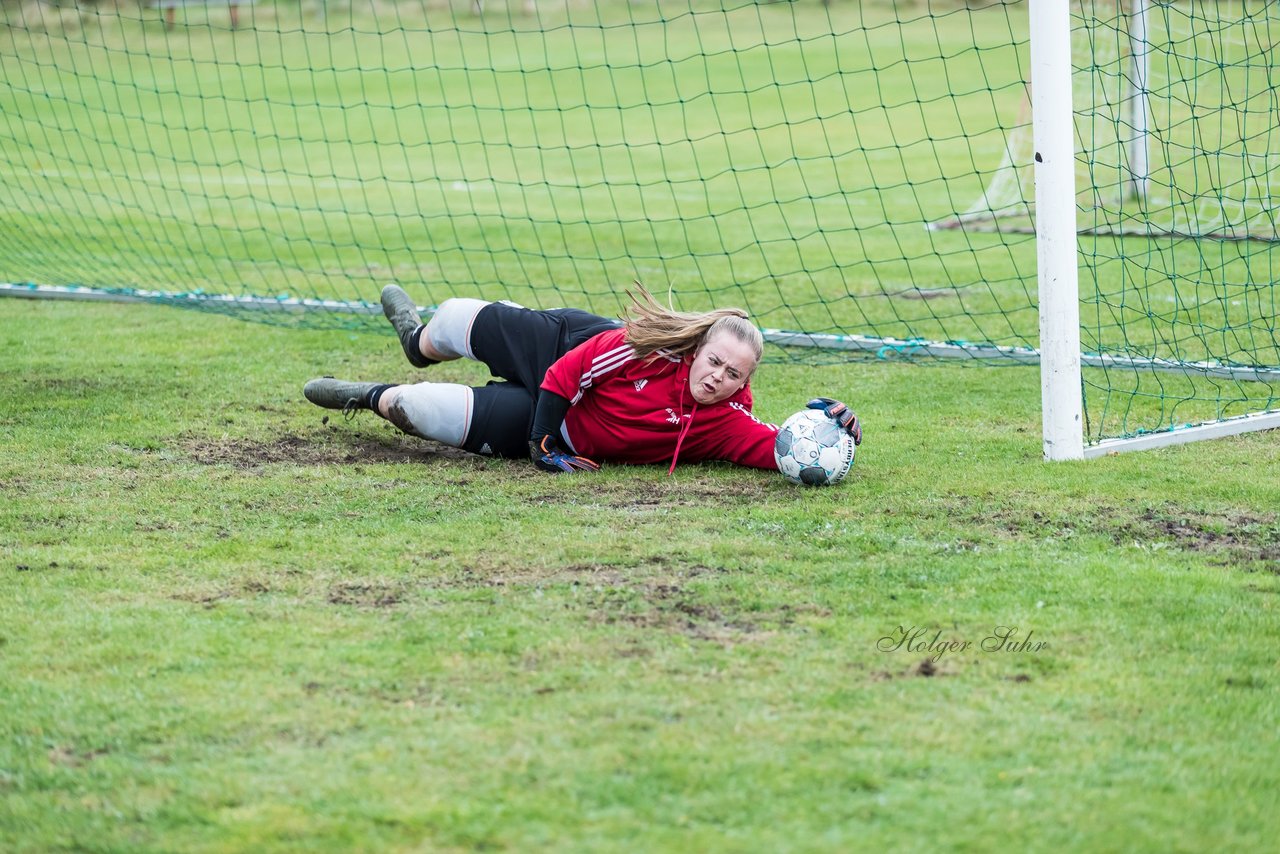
[{"x": 632, "y": 410}]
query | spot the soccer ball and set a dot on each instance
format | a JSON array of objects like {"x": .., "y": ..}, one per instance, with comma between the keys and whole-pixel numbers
[{"x": 812, "y": 449}]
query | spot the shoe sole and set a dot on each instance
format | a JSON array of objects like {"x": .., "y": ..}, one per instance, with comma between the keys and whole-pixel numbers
[
  {"x": 402, "y": 312},
  {"x": 329, "y": 393}
]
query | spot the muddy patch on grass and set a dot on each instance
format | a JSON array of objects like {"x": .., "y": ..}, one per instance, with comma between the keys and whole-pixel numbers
[
  {"x": 653, "y": 593},
  {"x": 926, "y": 668},
  {"x": 673, "y": 608},
  {"x": 1242, "y": 538},
  {"x": 77, "y": 386},
  {"x": 207, "y": 599},
  {"x": 71, "y": 757},
  {"x": 688, "y": 491},
  {"x": 332, "y": 445},
  {"x": 640, "y": 495},
  {"x": 366, "y": 594},
  {"x": 318, "y": 448},
  {"x": 646, "y": 572},
  {"x": 668, "y": 607},
  {"x": 375, "y": 593},
  {"x": 1234, "y": 537}
]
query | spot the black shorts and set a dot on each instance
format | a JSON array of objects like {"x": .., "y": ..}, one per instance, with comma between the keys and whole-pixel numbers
[{"x": 518, "y": 345}]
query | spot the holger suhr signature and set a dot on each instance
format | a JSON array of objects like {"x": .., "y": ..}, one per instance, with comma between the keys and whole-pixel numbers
[{"x": 916, "y": 639}]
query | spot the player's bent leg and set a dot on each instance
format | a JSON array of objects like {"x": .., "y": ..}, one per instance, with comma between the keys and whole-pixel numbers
[
  {"x": 492, "y": 420},
  {"x": 519, "y": 344},
  {"x": 437, "y": 411},
  {"x": 448, "y": 334},
  {"x": 501, "y": 420}
]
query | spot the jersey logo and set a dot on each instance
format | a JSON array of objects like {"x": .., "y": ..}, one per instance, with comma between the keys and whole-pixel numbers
[
  {"x": 640, "y": 384},
  {"x": 672, "y": 417}
]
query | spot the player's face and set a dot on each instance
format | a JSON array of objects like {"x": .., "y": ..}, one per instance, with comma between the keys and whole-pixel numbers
[{"x": 720, "y": 367}]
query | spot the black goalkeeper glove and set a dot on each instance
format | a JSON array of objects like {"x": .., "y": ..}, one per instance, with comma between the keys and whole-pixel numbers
[
  {"x": 841, "y": 414},
  {"x": 548, "y": 456}
]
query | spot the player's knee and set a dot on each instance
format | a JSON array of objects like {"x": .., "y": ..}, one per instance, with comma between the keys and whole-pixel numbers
[
  {"x": 397, "y": 415},
  {"x": 439, "y": 411},
  {"x": 449, "y": 332}
]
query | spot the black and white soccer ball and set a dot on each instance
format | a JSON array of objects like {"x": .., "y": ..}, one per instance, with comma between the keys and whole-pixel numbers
[{"x": 812, "y": 449}]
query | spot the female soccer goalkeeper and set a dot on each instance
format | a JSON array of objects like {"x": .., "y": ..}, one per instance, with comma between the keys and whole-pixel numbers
[{"x": 661, "y": 387}]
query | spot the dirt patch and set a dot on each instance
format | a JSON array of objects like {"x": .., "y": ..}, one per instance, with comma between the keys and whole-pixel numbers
[
  {"x": 333, "y": 444},
  {"x": 673, "y": 608},
  {"x": 210, "y": 597},
  {"x": 366, "y": 594},
  {"x": 206, "y": 598},
  {"x": 323, "y": 447},
  {"x": 77, "y": 386},
  {"x": 654, "y": 571},
  {"x": 363, "y": 593},
  {"x": 653, "y": 593},
  {"x": 1037, "y": 524},
  {"x": 1233, "y": 537},
  {"x": 53, "y": 564},
  {"x": 926, "y": 668},
  {"x": 687, "y": 490},
  {"x": 670, "y": 608},
  {"x": 69, "y": 757}
]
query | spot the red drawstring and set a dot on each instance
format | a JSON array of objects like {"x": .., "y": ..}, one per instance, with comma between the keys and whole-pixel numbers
[{"x": 684, "y": 430}]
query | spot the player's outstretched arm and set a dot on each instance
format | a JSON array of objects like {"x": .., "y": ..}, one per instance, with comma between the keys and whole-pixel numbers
[
  {"x": 841, "y": 414},
  {"x": 544, "y": 443}
]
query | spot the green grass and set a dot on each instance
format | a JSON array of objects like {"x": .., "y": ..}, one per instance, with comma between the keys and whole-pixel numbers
[{"x": 228, "y": 625}]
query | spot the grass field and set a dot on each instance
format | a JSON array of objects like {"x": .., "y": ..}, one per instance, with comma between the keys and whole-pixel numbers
[{"x": 227, "y": 624}]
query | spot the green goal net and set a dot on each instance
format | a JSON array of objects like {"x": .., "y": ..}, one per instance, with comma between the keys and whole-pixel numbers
[{"x": 856, "y": 175}]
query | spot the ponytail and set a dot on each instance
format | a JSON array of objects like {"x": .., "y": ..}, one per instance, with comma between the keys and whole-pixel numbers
[{"x": 650, "y": 327}]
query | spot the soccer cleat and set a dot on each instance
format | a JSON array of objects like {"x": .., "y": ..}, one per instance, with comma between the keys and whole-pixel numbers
[
  {"x": 338, "y": 394},
  {"x": 403, "y": 314}
]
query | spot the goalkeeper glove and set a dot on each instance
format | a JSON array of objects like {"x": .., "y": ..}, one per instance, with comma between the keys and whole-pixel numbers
[
  {"x": 548, "y": 456},
  {"x": 841, "y": 414}
]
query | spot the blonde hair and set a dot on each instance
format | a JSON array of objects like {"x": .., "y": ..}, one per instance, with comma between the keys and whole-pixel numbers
[{"x": 651, "y": 327}]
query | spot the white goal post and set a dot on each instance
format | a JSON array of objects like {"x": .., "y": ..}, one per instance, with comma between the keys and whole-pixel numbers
[
  {"x": 1057, "y": 269},
  {"x": 1054, "y": 136}
]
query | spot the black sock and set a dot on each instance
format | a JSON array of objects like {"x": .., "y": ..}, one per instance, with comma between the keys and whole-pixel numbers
[
  {"x": 374, "y": 394},
  {"x": 415, "y": 343}
]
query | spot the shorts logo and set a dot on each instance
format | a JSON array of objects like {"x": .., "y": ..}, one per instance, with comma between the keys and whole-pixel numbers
[
  {"x": 640, "y": 384},
  {"x": 485, "y": 449}
]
